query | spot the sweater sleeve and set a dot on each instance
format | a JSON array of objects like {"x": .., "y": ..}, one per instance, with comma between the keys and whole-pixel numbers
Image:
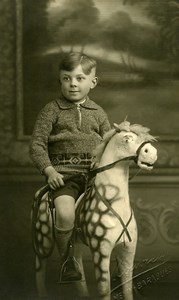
[
  {"x": 104, "y": 123},
  {"x": 38, "y": 149}
]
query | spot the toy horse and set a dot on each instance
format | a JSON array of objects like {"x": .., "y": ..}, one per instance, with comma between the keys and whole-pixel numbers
[{"x": 104, "y": 213}]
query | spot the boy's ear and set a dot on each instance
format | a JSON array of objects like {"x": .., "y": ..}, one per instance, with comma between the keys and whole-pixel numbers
[{"x": 94, "y": 82}]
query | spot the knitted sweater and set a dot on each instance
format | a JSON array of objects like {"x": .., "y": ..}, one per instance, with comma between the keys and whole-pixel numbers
[{"x": 65, "y": 134}]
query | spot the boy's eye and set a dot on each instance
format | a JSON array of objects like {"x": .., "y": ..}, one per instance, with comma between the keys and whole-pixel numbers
[
  {"x": 80, "y": 78},
  {"x": 66, "y": 78}
]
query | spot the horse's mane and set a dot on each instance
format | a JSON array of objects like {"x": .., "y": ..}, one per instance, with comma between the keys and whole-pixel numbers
[{"x": 139, "y": 130}]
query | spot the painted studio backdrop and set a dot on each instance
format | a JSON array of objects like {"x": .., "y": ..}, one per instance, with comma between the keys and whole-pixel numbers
[{"x": 135, "y": 43}]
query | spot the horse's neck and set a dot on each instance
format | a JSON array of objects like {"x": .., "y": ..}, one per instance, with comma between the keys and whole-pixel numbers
[{"x": 115, "y": 178}]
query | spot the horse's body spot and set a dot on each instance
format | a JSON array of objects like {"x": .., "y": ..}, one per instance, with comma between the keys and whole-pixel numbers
[
  {"x": 37, "y": 225},
  {"x": 88, "y": 215},
  {"x": 93, "y": 204},
  {"x": 107, "y": 221},
  {"x": 102, "y": 207},
  {"x": 97, "y": 272},
  {"x": 95, "y": 217},
  {"x": 43, "y": 217},
  {"x": 99, "y": 231},
  {"x": 104, "y": 247},
  {"x": 94, "y": 242},
  {"x": 104, "y": 250},
  {"x": 45, "y": 229},
  {"x": 96, "y": 257},
  {"x": 90, "y": 228},
  {"x": 104, "y": 265},
  {"x": 39, "y": 237}
]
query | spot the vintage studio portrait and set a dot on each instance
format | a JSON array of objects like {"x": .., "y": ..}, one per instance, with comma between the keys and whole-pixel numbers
[{"x": 89, "y": 148}]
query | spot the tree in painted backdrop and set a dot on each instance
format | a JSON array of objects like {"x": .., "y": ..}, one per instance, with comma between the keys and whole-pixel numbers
[
  {"x": 75, "y": 22},
  {"x": 165, "y": 13}
]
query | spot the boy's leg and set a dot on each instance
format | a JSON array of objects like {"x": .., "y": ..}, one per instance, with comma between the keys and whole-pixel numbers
[
  {"x": 64, "y": 224},
  {"x": 62, "y": 238}
]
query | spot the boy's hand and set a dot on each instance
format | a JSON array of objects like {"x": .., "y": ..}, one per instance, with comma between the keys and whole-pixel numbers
[{"x": 54, "y": 178}]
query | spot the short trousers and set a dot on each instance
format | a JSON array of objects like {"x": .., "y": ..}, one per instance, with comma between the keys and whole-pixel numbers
[{"x": 73, "y": 187}]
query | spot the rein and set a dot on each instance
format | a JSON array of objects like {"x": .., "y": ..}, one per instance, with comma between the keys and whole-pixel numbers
[{"x": 92, "y": 173}]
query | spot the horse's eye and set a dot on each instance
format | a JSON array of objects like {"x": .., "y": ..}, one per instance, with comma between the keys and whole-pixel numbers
[{"x": 146, "y": 150}]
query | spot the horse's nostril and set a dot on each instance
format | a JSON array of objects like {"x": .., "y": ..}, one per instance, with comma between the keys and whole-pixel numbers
[{"x": 146, "y": 150}]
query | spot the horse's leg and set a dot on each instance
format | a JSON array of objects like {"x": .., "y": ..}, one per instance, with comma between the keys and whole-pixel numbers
[
  {"x": 40, "y": 277},
  {"x": 101, "y": 258},
  {"x": 81, "y": 285},
  {"x": 43, "y": 244},
  {"x": 125, "y": 257}
]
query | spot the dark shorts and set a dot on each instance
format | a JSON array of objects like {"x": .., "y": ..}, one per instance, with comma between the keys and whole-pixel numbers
[{"x": 73, "y": 187}]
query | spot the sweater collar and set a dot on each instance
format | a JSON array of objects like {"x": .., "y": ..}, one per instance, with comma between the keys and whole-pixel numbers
[{"x": 65, "y": 104}]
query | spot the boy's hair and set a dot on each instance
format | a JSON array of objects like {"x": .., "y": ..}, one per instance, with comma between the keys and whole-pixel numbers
[{"x": 69, "y": 61}]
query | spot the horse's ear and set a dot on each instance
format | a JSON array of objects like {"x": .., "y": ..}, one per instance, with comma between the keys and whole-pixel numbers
[{"x": 116, "y": 127}]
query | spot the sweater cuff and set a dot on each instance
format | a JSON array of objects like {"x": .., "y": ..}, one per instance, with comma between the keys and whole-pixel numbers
[{"x": 42, "y": 166}]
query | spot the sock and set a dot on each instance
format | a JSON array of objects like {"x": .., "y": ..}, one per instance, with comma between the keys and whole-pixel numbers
[{"x": 62, "y": 238}]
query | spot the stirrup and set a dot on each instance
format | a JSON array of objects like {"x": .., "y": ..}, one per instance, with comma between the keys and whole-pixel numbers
[{"x": 70, "y": 271}]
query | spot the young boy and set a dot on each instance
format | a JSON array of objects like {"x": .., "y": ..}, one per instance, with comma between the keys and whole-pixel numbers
[{"x": 66, "y": 132}]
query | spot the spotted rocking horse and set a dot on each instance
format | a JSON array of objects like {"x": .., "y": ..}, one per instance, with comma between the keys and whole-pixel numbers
[{"x": 104, "y": 218}]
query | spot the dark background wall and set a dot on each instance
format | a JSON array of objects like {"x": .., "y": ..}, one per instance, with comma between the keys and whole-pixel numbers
[{"x": 154, "y": 196}]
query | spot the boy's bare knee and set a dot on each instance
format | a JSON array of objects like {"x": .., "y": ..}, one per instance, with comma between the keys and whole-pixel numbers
[
  {"x": 65, "y": 220},
  {"x": 65, "y": 212}
]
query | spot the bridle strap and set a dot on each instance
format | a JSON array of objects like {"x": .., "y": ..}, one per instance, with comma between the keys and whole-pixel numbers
[
  {"x": 93, "y": 173},
  {"x": 138, "y": 151},
  {"x": 140, "y": 147}
]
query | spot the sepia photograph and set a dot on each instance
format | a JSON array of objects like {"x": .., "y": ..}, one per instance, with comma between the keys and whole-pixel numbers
[{"x": 89, "y": 177}]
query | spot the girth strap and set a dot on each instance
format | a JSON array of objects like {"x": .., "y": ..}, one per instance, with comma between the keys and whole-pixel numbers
[
  {"x": 116, "y": 215},
  {"x": 124, "y": 229}
]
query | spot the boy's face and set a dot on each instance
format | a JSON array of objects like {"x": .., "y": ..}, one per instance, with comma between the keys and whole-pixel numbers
[{"x": 75, "y": 84}]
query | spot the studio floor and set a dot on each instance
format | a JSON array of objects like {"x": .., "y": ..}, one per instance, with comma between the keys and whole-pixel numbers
[
  {"x": 21, "y": 286},
  {"x": 143, "y": 290}
]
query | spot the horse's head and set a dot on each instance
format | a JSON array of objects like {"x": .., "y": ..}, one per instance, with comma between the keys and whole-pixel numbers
[
  {"x": 146, "y": 156},
  {"x": 127, "y": 142},
  {"x": 136, "y": 141}
]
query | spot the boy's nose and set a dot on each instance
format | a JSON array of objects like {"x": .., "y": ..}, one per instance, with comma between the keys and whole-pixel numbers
[{"x": 73, "y": 82}]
